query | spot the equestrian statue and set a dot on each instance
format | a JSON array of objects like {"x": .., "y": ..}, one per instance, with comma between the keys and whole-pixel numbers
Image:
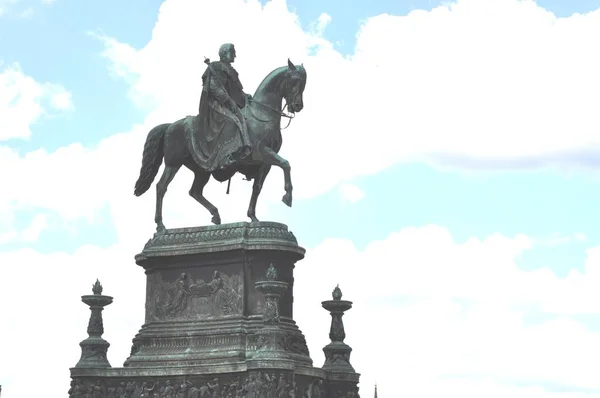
[{"x": 233, "y": 132}]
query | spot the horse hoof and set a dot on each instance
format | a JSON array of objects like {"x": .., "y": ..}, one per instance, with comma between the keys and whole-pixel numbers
[
  {"x": 216, "y": 219},
  {"x": 160, "y": 230},
  {"x": 253, "y": 219},
  {"x": 287, "y": 199}
]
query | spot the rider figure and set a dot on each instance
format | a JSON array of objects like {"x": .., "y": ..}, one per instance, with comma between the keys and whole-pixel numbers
[
  {"x": 227, "y": 88},
  {"x": 223, "y": 89}
]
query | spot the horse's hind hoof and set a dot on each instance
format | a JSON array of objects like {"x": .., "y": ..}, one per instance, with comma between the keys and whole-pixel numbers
[
  {"x": 161, "y": 230},
  {"x": 216, "y": 219},
  {"x": 287, "y": 199}
]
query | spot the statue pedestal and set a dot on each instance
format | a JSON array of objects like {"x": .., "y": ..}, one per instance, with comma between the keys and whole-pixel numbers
[
  {"x": 207, "y": 293},
  {"x": 202, "y": 306}
]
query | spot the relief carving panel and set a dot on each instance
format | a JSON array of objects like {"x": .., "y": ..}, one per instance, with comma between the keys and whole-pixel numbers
[{"x": 186, "y": 298}]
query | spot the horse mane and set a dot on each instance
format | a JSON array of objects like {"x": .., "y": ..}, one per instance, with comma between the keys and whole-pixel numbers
[
  {"x": 274, "y": 73},
  {"x": 277, "y": 71}
]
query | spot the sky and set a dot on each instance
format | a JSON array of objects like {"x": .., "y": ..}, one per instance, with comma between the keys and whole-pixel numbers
[{"x": 445, "y": 170}]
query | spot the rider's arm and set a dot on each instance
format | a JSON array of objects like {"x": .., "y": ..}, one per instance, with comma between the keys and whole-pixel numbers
[{"x": 217, "y": 89}]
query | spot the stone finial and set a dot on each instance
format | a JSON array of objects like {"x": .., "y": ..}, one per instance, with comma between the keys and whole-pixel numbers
[
  {"x": 94, "y": 348},
  {"x": 337, "y": 293},
  {"x": 271, "y": 337},
  {"x": 271, "y": 273},
  {"x": 337, "y": 353},
  {"x": 97, "y": 288}
]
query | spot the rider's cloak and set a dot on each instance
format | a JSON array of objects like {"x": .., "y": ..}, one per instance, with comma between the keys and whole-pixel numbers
[{"x": 220, "y": 137}]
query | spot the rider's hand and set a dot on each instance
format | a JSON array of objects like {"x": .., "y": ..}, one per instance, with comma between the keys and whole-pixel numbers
[{"x": 231, "y": 105}]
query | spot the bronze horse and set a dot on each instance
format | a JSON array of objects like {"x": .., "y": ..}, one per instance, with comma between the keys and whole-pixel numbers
[{"x": 173, "y": 142}]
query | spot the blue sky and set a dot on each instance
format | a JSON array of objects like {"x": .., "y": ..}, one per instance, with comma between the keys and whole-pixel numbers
[
  {"x": 470, "y": 190},
  {"x": 46, "y": 39},
  {"x": 506, "y": 202}
]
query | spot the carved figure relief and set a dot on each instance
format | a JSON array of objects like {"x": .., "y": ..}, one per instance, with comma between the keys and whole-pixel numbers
[
  {"x": 130, "y": 389},
  {"x": 259, "y": 385},
  {"x": 97, "y": 390},
  {"x": 295, "y": 343},
  {"x": 271, "y": 312},
  {"x": 189, "y": 299},
  {"x": 94, "y": 353},
  {"x": 315, "y": 389},
  {"x": 168, "y": 391},
  {"x": 120, "y": 392},
  {"x": 77, "y": 389},
  {"x": 147, "y": 389}
]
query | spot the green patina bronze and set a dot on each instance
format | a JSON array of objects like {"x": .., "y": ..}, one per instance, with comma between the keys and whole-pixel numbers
[{"x": 233, "y": 133}]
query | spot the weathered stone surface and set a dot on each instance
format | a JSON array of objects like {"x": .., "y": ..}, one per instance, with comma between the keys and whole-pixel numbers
[
  {"x": 221, "y": 238},
  {"x": 341, "y": 375},
  {"x": 202, "y": 305},
  {"x": 219, "y": 322},
  {"x": 94, "y": 348}
]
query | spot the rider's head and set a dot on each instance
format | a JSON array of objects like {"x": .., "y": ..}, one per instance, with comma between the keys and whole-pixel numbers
[{"x": 227, "y": 52}]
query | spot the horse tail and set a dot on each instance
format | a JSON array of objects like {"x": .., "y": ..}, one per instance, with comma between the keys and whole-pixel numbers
[{"x": 152, "y": 158}]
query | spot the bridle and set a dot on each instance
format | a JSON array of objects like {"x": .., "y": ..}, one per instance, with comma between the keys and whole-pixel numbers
[{"x": 281, "y": 113}]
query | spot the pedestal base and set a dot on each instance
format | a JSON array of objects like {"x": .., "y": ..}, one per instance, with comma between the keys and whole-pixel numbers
[
  {"x": 337, "y": 358},
  {"x": 93, "y": 353},
  {"x": 202, "y": 308},
  {"x": 204, "y": 320}
]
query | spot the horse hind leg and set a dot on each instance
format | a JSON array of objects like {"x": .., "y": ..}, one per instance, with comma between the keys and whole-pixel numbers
[
  {"x": 259, "y": 180},
  {"x": 161, "y": 189},
  {"x": 201, "y": 178}
]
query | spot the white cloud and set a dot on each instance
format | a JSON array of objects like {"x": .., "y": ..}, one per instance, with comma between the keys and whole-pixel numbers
[
  {"x": 318, "y": 26},
  {"x": 351, "y": 193},
  {"x": 557, "y": 239},
  {"x": 43, "y": 292},
  {"x": 518, "y": 88},
  {"x": 60, "y": 98},
  {"x": 5, "y": 4},
  {"x": 451, "y": 318},
  {"x": 383, "y": 105},
  {"x": 23, "y": 101},
  {"x": 30, "y": 234},
  {"x": 35, "y": 227},
  {"x": 478, "y": 78},
  {"x": 26, "y": 13}
]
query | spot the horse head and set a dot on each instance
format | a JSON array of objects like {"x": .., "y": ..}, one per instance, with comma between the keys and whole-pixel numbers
[{"x": 294, "y": 84}]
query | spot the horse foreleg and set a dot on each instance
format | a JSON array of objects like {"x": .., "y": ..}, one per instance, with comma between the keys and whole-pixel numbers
[
  {"x": 161, "y": 189},
  {"x": 263, "y": 170},
  {"x": 271, "y": 157},
  {"x": 201, "y": 178}
]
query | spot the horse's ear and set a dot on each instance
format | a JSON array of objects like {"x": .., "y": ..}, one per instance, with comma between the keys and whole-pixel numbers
[{"x": 291, "y": 66}]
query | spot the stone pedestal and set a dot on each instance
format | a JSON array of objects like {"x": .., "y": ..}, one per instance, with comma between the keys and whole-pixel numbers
[
  {"x": 216, "y": 322},
  {"x": 203, "y": 307}
]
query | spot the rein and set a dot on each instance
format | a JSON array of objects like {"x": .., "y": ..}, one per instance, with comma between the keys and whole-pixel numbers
[{"x": 281, "y": 113}]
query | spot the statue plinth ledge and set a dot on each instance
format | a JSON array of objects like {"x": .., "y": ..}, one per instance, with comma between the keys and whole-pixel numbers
[{"x": 222, "y": 238}]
